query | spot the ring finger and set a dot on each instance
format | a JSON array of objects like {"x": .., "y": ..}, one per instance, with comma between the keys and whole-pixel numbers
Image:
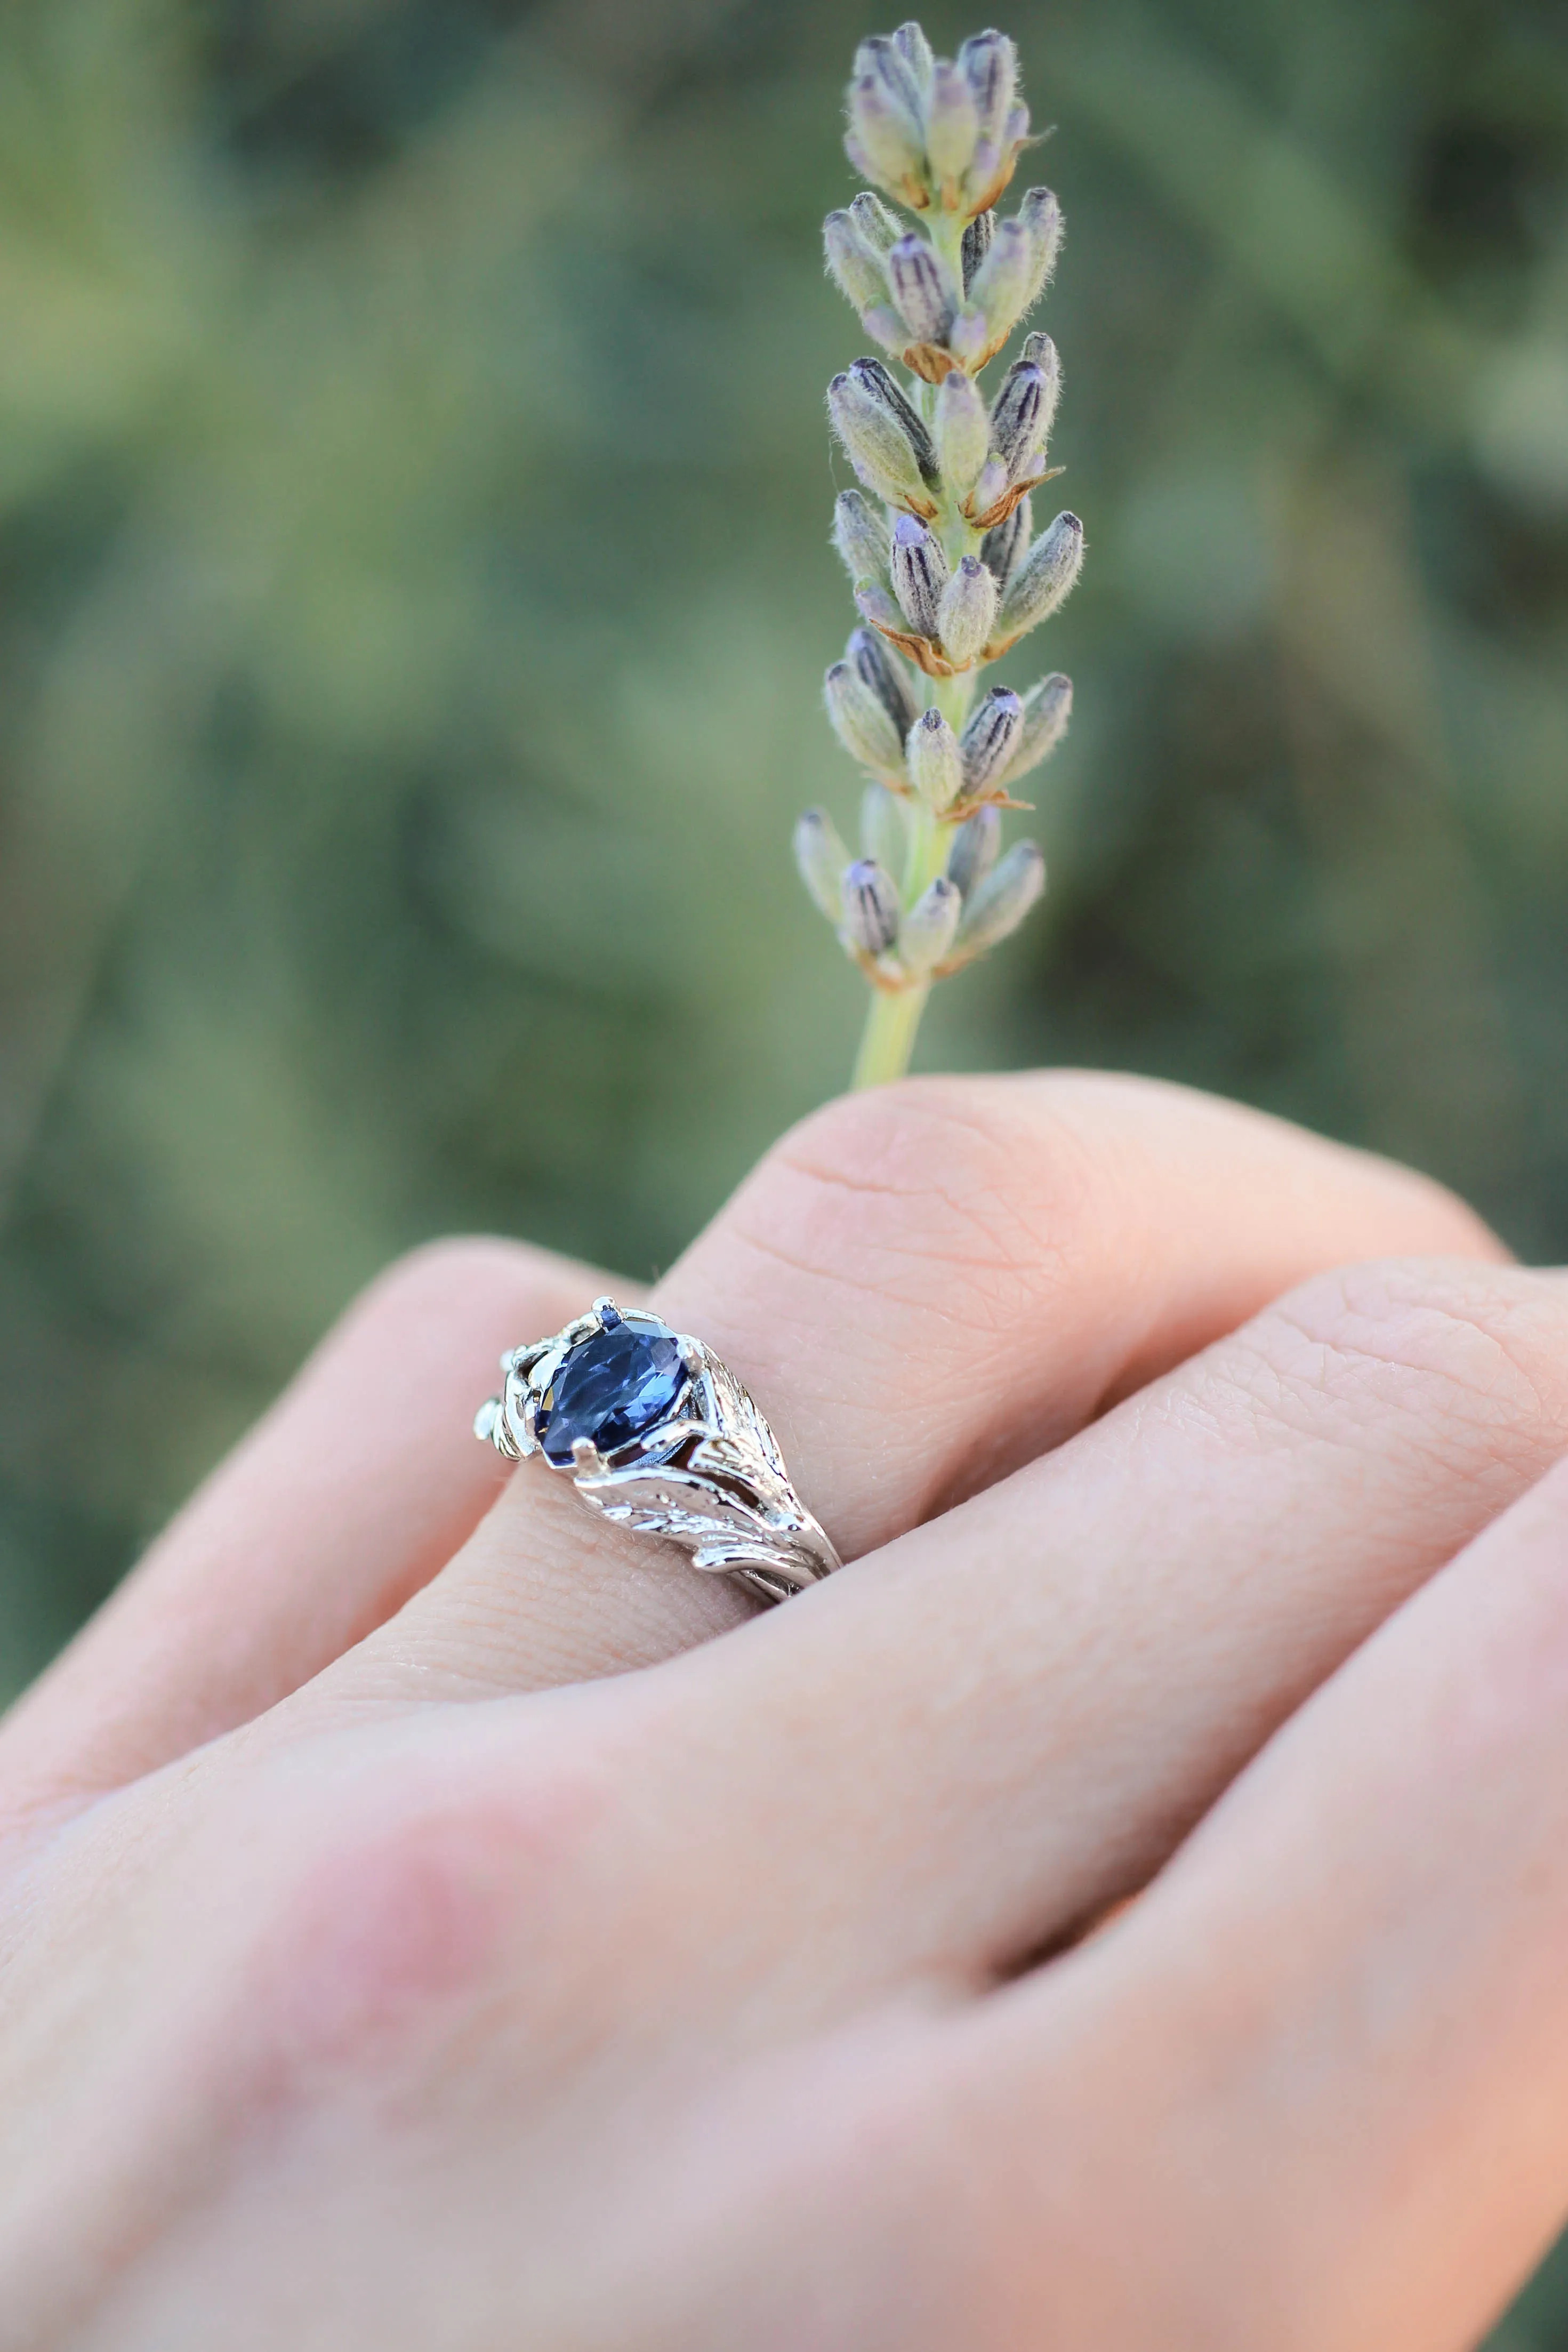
[{"x": 923, "y": 1289}]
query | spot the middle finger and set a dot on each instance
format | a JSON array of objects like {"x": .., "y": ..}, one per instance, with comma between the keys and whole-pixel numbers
[{"x": 1012, "y": 1716}]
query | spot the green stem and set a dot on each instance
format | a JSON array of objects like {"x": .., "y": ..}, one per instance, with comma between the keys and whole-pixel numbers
[{"x": 888, "y": 1038}]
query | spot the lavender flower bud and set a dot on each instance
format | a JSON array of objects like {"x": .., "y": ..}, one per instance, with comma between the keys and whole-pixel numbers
[
  {"x": 887, "y": 673},
  {"x": 952, "y": 123},
  {"x": 1044, "y": 577},
  {"x": 1039, "y": 215},
  {"x": 860, "y": 536},
  {"x": 1002, "y": 282},
  {"x": 991, "y": 486},
  {"x": 988, "y": 62},
  {"x": 883, "y": 141},
  {"x": 961, "y": 430},
  {"x": 974, "y": 850},
  {"x": 883, "y": 832},
  {"x": 822, "y": 858},
  {"x": 887, "y": 62},
  {"x": 862, "y": 721},
  {"x": 1002, "y": 545},
  {"x": 1047, "y": 708},
  {"x": 877, "y": 445},
  {"x": 876, "y": 381},
  {"x": 880, "y": 229},
  {"x": 1000, "y": 902},
  {"x": 968, "y": 337},
  {"x": 874, "y": 604},
  {"x": 915, "y": 50},
  {"x": 927, "y": 931},
  {"x": 935, "y": 761},
  {"x": 919, "y": 571},
  {"x": 1015, "y": 419},
  {"x": 869, "y": 906},
  {"x": 991, "y": 739},
  {"x": 967, "y": 610},
  {"x": 919, "y": 289},
  {"x": 977, "y": 245},
  {"x": 856, "y": 272}
]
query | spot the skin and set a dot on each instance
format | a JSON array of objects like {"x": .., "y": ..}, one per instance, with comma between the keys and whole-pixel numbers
[{"x": 427, "y": 1916}]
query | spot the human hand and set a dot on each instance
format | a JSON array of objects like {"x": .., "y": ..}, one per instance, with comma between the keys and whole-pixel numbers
[{"x": 375, "y": 1977}]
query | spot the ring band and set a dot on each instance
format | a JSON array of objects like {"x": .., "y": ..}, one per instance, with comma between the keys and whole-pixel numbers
[{"x": 657, "y": 1433}]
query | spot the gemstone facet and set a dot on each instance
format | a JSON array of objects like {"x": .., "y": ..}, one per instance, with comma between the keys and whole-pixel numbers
[{"x": 609, "y": 1388}]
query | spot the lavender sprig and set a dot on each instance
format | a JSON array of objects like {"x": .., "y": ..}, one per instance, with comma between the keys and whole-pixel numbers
[{"x": 939, "y": 542}]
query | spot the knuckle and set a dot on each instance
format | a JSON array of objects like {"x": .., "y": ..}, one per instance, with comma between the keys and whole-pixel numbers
[
  {"x": 448, "y": 1889},
  {"x": 1454, "y": 1357},
  {"x": 898, "y": 1189}
]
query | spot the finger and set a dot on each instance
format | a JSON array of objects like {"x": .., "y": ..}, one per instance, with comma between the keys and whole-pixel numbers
[
  {"x": 351, "y": 1492},
  {"x": 923, "y": 1288},
  {"x": 1337, "y": 2031},
  {"x": 1012, "y": 1716}
]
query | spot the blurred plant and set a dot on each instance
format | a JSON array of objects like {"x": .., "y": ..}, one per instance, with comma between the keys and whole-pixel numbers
[{"x": 947, "y": 575}]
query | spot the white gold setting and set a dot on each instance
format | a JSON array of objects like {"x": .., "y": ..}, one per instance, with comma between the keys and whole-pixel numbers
[{"x": 707, "y": 1475}]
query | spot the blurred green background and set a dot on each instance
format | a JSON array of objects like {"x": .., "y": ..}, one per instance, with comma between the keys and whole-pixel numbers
[{"x": 415, "y": 590}]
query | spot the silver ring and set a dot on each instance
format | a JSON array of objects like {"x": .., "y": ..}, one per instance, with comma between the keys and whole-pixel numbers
[{"x": 657, "y": 1433}]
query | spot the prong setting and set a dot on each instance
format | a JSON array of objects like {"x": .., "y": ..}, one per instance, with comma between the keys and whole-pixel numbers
[{"x": 659, "y": 1436}]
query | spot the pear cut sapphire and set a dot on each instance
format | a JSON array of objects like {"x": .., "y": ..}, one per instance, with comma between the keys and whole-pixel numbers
[{"x": 609, "y": 1388}]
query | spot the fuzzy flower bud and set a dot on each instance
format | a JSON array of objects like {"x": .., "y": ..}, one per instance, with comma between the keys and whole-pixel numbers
[
  {"x": 884, "y": 833},
  {"x": 991, "y": 739},
  {"x": 869, "y": 906},
  {"x": 880, "y": 229},
  {"x": 915, "y": 50},
  {"x": 1000, "y": 903},
  {"x": 822, "y": 858},
  {"x": 961, "y": 430},
  {"x": 977, "y": 245},
  {"x": 862, "y": 722},
  {"x": 968, "y": 338},
  {"x": 1043, "y": 579},
  {"x": 967, "y": 610},
  {"x": 1016, "y": 431},
  {"x": 935, "y": 761},
  {"x": 1002, "y": 283},
  {"x": 1039, "y": 215},
  {"x": 883, "y": 141},
  {"x": 861, "y": 537},
  {"x": 919, "y": 571},
  {"x": 874, "y": 604},
  {"x": 920, "y": 289},
  {"x": 1047, "y": 708},
  {"x": 857, "y": 272},
  {"x": 876, "y": 381},
  {"x": 874, "y": 441},
  {"x": 887, "y": 673},
  {"x": 1002, "y": 546},
  {"x": 886, "y": 60},
  {"x": 929, "y": 929},
  {"x": 974, "y": 849},
  {"x": 952, "y": 123},
  {"x": 989, "y": 64}
]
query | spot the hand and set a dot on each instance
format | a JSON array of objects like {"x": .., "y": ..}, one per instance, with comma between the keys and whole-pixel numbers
[{"x": 385, "y": 1966}]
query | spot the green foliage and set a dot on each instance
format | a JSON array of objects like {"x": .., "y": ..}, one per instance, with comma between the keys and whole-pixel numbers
[{"x": 413, "y": 510}]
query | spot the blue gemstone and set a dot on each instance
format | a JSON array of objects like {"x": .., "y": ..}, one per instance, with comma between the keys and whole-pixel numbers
[{"x": 609, "y": 1388}]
